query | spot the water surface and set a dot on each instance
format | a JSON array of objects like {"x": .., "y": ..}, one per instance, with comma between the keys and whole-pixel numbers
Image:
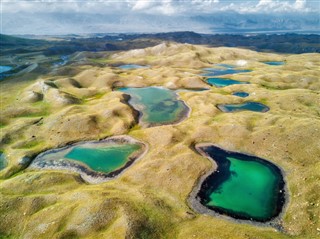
[
  {"x": 242, "y": 186},
  {"x": 3, "y": 162},
  {"x": 222, "y": 82},
  {"x": 274, "y": 63},
  {"x": 132, "y": 66},
  {"x": 241, "y": 94},
  {"x": 249, "y": 106},
  {"x": 4, "y": 71},
  {"x": 96, "y": 161},
  {"x": 222, "y": 71},
  {"x": 5, "y": 68},
  {"x": 104, "y": 159},
  {"x": 159, "y": 106}
]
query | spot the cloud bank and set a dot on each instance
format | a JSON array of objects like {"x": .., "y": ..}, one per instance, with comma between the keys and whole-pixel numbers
[{"x": 84, "y": 16}]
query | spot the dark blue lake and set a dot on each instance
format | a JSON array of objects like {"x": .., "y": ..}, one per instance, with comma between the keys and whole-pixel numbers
[
  {"x": 274, "y": 63},
  {"x": 248, "y": 106}
]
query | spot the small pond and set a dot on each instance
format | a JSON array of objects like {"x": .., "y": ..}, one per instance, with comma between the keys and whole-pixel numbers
[
  {"x": 159, "y": 106},
  {"x": 4, "y": 71},
  {"x": 249, "y": 106},
  {"x": 93, "y": 160},
  {"x": 242, "y": 186},
  {"x": 241, "y": 94},
  {"x": 274, "y": 63},
  {"x": 63, "y": 61},
  {"x": 223, "y": 69},
  {"x": 5, "y": 68},
  {"x": 132, "y": 66},
  {"x": 3, "y": 161},
  {"x": 222, "y": 82}
]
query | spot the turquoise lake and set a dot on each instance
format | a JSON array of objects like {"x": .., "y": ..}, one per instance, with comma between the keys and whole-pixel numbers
[
  {"x": 243, "y": 187},
  {"x": 249, "y": 106},
  {"x": 222, "y": 82},
  {"x": 159, "y": 106},
  {"x": 5, "y": 68},
  {"x": 103, "y": 159},
  {"x": 241, "y": 94}
]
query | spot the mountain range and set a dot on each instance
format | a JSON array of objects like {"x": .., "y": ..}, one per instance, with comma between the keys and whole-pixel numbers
[{"x": 231, "y": 22}]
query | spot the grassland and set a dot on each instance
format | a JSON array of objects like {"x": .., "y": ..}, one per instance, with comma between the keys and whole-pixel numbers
[{"x": 150, "y": 199}]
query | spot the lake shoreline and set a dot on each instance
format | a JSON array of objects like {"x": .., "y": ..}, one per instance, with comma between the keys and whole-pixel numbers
[
  {"x": 87, "y": 174},
  {"x": 194, "y": 203}
]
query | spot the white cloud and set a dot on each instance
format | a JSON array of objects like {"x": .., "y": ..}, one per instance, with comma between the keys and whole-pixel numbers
[
  {"x": 142, "y": 4},
  {"x": 300, "y": 4},
  {"x": 164, "y": 7},
  {"x": 66, "y": 16},
  {"x": 161, "y": 7},
  {"x": 273, "y": 6}
]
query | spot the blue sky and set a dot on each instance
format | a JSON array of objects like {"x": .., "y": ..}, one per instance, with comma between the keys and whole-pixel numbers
[{"x": 84, "y": 16}]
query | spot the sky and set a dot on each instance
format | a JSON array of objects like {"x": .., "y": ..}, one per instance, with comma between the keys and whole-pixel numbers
[{"x": 205, "y": 16}]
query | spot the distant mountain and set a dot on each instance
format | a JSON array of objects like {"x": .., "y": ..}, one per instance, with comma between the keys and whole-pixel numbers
[
  {"x": 11, "y": 44},
  {"x": 261, "y": 23},
  {"x": 282, "y": 43},
  {"x": 8, "y": 41},
  {"x": 220, "y": 22}
]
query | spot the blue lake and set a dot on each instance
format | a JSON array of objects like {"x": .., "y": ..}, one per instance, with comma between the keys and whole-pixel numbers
[
  {"x": 222, "y": 82},
  {"x": 274, "y": 63},
  {"x": 241, "y": 94},
  {"x": 220, "y": 72},
  {"x": 247, "y": 106},
  {"x": 132, "y": 66},
  {"x": 3, "y": 162},
  {"x": 222, "y": 69},
  {"x": 5, "y": 68}
]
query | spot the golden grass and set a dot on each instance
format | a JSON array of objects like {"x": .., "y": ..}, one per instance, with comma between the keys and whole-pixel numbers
[{"x": 149, "y": 200}]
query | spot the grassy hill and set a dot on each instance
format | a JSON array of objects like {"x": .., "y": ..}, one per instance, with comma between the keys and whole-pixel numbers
[{"x": 150, "y": 200}]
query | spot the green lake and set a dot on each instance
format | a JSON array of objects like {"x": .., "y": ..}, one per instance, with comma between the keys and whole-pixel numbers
[
  {"x": 159, "y": 106},
  {"x": 104, "y": 159},
  {"x": 243, "y": 186},
  {"x": 94, "y": 160}
]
